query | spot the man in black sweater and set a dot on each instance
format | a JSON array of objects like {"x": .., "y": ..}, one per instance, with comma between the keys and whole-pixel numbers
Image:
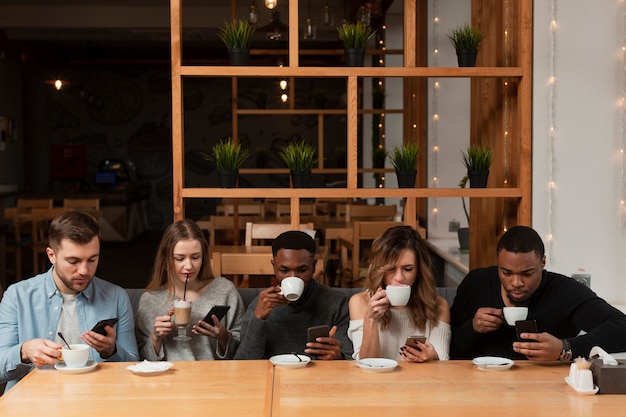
[
  {"x": 561, "y": 306},
  {"x": 272, "y": 325}
]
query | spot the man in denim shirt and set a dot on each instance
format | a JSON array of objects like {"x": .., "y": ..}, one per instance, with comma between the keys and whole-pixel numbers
[{"x": 68, "y": 298}]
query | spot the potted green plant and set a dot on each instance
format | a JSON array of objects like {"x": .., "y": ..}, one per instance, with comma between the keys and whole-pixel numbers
[
  {"x": 355, "y": 37},
  {"x": 465, "y": 39},
  {"x": 404, "y": 160},
  {"x": 228, "y": 156},
  {"x": 477, "y": 160},
  {"x": 300, "y": 158},
  {"x": 237, "y": 35}
]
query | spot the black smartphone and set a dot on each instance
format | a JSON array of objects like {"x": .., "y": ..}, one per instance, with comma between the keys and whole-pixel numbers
[
  {"x": 99, "y": 327},
  {"x": 412, "y": 341},
  {"x": 317, "y": 331},
  {"x": 525, "y": 326},
  {"x": 219, "y": 311}
]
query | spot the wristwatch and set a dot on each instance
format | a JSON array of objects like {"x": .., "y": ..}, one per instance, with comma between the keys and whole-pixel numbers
[{"x": 566, "y": 353}]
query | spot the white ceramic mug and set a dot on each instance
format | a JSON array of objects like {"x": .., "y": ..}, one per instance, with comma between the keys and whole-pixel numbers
[
  {"x": 513, "y": 314},
  {"x": 398, "y": 295},
  {"x": 292, "y": 288},
  {"x": 76, "y": 357}
]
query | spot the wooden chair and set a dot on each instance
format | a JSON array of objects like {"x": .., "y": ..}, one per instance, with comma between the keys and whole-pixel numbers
[
  {"x": 225, "y": 226},
  {"x": 361, "y": 231},
  {"x": 240, "y": 266},
  {"x": 243, "y": 209},
  {"x": 284, "y": 209},
  {"x": 82, "y": 204},
  {"x": 269, "y": 231},
  {"x": 21, "y": 222},
  {"x": 365, "y": 212}
]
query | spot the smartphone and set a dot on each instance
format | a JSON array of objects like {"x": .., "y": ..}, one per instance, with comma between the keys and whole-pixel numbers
[
  {"x": 317, "y": 331},
  {"x": 99, "y": 327},
  {"x": 412, "y": 341},
  {"x": 219, "y": 311},
  {"x": 525, "y": 326}
]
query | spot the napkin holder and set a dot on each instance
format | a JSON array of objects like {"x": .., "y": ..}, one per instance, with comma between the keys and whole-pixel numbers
[{"x": 611, "y": 379}]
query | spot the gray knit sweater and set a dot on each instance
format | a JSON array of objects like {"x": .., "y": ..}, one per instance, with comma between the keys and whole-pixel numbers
[
  {"x": 156, "y": 303},
  {"x": 285, "y": 329}
]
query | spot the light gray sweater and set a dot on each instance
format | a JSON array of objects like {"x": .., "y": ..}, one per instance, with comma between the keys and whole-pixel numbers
[{"x": 156, "y": 303}]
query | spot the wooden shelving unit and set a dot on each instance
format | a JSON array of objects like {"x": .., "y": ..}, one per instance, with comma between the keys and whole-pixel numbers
[{"x": 489, "y": 206}]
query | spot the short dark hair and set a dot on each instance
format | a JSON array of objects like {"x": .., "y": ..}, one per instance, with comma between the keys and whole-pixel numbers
[
  {"x": 293, "y": 239},
  {"x": 521, "y": 239},
  {"x": 77, "y": 226}
]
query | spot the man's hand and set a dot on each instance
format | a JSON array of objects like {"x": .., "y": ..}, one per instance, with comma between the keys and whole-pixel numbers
[
  {"x": 40, "y": 352},
  {"x": 325, "y": 348},
  {"x": 269, "y": 298},
  {"x": 104, "y": 345},
  {"x": 487, "y": 319},
  {"x": 544, "y": 348}
]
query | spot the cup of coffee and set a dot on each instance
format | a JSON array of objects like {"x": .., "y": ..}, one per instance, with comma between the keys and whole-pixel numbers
[
  {"x": 292, "y": 288},
  {"x": 513, "y": 314},
  {"x": 398, "y": 295},
  {"x": 77, "y": 356},
  {"x": 182, "y": 312}
]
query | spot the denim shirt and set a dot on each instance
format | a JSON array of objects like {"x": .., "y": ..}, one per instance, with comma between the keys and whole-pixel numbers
[{"x": 31, "y": 309}]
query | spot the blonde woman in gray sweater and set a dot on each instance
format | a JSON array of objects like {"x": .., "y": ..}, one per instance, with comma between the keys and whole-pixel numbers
[{"x": 182, "y": 269}]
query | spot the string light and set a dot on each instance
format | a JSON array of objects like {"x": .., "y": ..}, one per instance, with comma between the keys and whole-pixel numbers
[
  {"x": 435, "y": 100},
  {"x": 506, "y": 140},
  {"x": 622, "y": 185},
  {"x": 552, "y": 131}
]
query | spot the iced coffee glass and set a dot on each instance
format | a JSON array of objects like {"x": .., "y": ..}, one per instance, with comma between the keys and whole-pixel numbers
[{"x": 182, "y": 318}]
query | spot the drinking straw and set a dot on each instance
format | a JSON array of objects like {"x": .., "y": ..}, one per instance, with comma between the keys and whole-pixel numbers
[{"x": 185, "y": 290}]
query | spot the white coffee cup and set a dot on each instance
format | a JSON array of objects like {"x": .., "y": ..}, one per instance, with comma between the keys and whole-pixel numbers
[
  {"x": 76, "y": 357},
  {"x": 292, "y": 288},
  {"x": 398, "y": 295},
  {"x": 513, "y": 314}
]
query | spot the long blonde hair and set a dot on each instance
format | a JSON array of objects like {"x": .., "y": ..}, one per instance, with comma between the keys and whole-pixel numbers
[
  {"x": 163, "y": 270},
  {"x": 386, "y": 250}
]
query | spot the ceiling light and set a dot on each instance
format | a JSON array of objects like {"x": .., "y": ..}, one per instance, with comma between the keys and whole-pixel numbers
[{"x": 271, "y": 4}]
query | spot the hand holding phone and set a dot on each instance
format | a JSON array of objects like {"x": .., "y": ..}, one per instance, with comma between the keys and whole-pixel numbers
[
  {"x": 525, "y": 326},
  {"x": 412, "y": 341},
  {"x": 317, "y": 331},
  {"x": 99, "y": 327},
  {"x": 219, "y": 311}
]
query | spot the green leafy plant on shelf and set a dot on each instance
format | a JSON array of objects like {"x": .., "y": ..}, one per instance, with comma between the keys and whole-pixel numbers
[
  {"x": 404, "y": 158},
  {"x": 465, "y": 37},
  {"x": 355, "y": 35},
  {"x": 228, "y": 155},
  {"x": 299, "y": 155},
  {"x": 236, "y": 33},
  {"x": 478, "y": 158}
]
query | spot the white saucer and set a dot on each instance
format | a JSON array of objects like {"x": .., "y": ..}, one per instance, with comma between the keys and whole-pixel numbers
[
  {"x": 148, "y": 368},
  {"x": 493, "y": 363},
  {"x": 377, "y": 364},
  {"x": 580, "y": 391},
  {"x": 290, "y": 360},
  {"x": 62, "y": 367}
]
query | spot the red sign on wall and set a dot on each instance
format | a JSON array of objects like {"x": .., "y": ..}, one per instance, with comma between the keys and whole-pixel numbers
[{"x": 68, "y": 162}]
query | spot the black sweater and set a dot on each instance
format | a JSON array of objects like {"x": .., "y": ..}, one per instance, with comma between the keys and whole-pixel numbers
[{"x": 561, "y": 306}]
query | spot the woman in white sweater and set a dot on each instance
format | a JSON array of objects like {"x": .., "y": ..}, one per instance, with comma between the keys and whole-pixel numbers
[{"x": 377, "y": 329}]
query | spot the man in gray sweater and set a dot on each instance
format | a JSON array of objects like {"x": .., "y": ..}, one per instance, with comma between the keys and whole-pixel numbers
[{"x": 272, "y": 325}]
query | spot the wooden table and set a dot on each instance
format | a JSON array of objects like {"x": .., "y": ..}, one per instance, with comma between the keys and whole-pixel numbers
[
  {"x": 441, "y": 389},
  {"x": 337, "y": 388},
  {"x": 215, "y": 388}
]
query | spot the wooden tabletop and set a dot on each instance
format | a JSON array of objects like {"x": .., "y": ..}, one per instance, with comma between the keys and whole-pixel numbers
[
  {"x": 441, "y": 389},
  {"x": 337, "y": 388},
  {"x": 216, "y": 388}
]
